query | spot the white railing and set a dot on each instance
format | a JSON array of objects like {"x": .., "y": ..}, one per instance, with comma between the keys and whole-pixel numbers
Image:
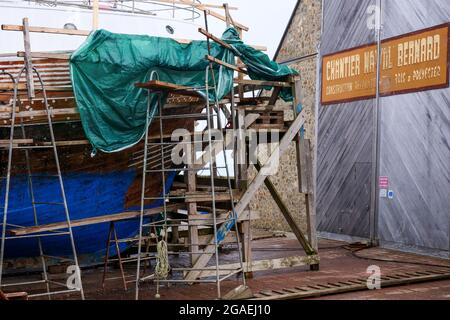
[{"x": 175, "y": 8}]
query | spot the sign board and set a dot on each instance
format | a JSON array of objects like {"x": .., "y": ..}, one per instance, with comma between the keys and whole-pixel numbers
[
  {"x": 384, "y": 182},
  {"x": 391, "y": 194},
  {"x": 409, "y": 63}
]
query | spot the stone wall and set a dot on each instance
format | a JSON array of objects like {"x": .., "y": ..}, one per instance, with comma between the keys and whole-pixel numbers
[{"x": 301, "y": 39}]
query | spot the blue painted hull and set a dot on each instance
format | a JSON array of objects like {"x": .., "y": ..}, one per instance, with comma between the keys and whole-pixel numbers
[{"x": 88, "y": 195}]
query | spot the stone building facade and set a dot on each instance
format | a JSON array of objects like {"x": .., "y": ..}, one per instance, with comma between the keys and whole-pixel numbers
[{"x": 298, "y": 49}]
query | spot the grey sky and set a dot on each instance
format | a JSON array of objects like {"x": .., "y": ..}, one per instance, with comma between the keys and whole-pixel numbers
[{"x": 266, "y": 20}]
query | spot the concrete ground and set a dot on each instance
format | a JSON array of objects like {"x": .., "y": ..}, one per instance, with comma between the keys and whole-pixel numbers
[{"x": 338, "y": 263}]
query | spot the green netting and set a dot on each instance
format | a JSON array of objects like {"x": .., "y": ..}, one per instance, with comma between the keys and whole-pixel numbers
[{"x": 107, "y": 66}]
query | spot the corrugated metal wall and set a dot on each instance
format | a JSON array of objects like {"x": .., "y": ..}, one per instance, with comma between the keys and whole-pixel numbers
[
  {"x": 345, "y": 133},
  {"x": 415, "y": 144},
  {"x": 415, "y": 141}
]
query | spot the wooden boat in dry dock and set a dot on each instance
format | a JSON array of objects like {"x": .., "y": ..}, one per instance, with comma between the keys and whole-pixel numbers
[{"x": 105, "y": 185}]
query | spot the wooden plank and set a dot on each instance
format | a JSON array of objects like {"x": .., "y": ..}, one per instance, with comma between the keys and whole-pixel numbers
[
  {"x": 10, "y": 27},
  {"x": 262, "y": 265},
  {"x": 157, "y": 85},
  {"x": 16, "y": 296},
  {"x": 46, "y": 55},
  {"x": 207, "y": 219},
  {"x": 215, "y": 39},
  {"x": 355, "y": 287},
  {"x": 245, "y": 234},
  {"x": 252, "y": 189},
  {"x": 268, "y": 108},
  {"x": 287, "y": 215},
  {"x": 85, "y": 33},
  {"x": 207, "y": 196},
  {"x": 41, "y": 113},
  {"x": 227, "y": 65},
  {"x": 23, "y": 86},
  {"x": 91, "y": 221},
  {"x": 8, "y": 109},
  {"x": 274, "y": 97},
  {"x": 262, "y": 83},
  {"x": 17, "y": 141}
]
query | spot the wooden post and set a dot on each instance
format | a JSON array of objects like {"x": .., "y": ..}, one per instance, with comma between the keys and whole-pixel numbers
[
  {"x": 305, "y": 170},
  {"x": 95, "y": 14},
  {"x": 240, "y": 75},
  {"x": 309, "y": 196},
  {"x": 192, "y": 206},
  {"x": 301, "y": 170},
  {"x": 27, "y": 58},
  {"x": 245, "y": 234}
]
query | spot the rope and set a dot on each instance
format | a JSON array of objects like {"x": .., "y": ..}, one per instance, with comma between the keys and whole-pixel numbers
[{"x": 162, "y": 268}]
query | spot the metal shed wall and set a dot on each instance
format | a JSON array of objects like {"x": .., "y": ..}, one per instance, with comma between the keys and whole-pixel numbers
[
  {"x": 415, "y": 141},
  {"x": 344, "y": 133},
  {"x": 415, "y": 145}
]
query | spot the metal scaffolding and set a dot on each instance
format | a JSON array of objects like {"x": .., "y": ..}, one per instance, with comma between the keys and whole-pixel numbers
[
  {"x": 14, "y": 145},
  {"x": 213, "y": 123}
]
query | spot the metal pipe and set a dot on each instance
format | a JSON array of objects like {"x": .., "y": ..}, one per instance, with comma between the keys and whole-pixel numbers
[
  {"x": 61, "y": 183},
  {"x": 376, "y": 147},
  {"x": 208, "y": 110},
  {"x": 8, "y": 174},
  {"x": 144, "y": 175},
  {"x": 219, "y": 123}
]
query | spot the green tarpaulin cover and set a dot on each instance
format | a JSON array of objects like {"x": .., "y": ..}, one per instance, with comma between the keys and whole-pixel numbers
[{"x": 107, "y": 66}]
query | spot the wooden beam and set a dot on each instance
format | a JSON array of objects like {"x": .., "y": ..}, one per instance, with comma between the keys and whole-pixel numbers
[
  {"x": 301, "y": 169},
  {"x": 23, "y": 86},
  {"x": 263, "y": 265},
  {"x": 156, "y": 85},
  {"x": 215, "y": 39},
  {"x": 8, "y": 109},
  {"x": 258, "y": 181},
  {"x": 274, "y": 98},
  {"x": 85, "y": 33},
  {"x": 46, "y": 55},
  {"x": 227, "y": 65},
  {"x": 310, "y": 196},
  {"x": 41, "y": 113},
  {"x": 11, "y": 27},
  {"x": 91, "y": 221},
  {"x": 191, "y": 180},
  {"x": 95, "y": 14},
  {"x": 354, "y": 286},
  {"x": 193, "y": 197},
  {"x": 287, "y": 215},
  {"x": 17, "y": 141},
  {"x": 259, "y": 83},
  {"x": 206, "y": 219},
  {"x": 27, "y": 59}
]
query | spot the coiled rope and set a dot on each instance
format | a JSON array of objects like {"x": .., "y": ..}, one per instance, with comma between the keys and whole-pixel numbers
[{"x": 162, "y": 268}]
